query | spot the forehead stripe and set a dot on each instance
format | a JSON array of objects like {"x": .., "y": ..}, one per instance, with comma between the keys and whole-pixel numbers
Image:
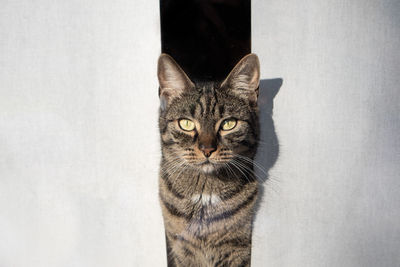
[
  {"x": 192, "y": 109},
  {"x": 207, "y": 99},
  {"x": 221, "y": 110},
  {"x": 215, "y": 102},
  {"x": 200, "y": 104}
]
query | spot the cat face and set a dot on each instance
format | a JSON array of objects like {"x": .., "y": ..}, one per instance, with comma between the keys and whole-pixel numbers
[{"x": 207, "y": 125}]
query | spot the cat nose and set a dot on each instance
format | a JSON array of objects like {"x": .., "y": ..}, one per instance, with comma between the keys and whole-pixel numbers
[
  {"x": 207, "y": 150},
  {"x": 207, "y": 144}
]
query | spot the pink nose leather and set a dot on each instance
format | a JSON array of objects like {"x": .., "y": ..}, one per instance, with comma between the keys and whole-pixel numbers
[{"x": 207, "y": 151}]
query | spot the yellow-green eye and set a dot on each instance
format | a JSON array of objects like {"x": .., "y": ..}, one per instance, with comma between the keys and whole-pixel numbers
[
  {"x": 186, "y": 125},
  {"x": 228, "y": 124}
]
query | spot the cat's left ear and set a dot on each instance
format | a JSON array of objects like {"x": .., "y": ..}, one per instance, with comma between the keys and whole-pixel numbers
[
  {"x": 244, "y": 79},
  {"x": 172, "y": 79}
]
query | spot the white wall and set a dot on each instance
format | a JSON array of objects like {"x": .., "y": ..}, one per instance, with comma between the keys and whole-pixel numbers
[
  {"x": 337, "y": 181},
  {"x": 79, "y": 144},
  {"x": 78, "y": 134}
]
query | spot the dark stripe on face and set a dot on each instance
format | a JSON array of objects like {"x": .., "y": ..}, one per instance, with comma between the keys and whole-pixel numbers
[
  {"x": 192, "y": 110},
  {"x": 208, "y": 103},
  {"x": 163, "y": 129},
  {"x": 183, "y": 137},
  {"x": 215, "y": 102},
  {"x": 195, "y": 137},
  {"x": 200, "y": 104},
  {"x": 171, "y": 188},
  {"x": 232, "y": 212},
  {"x": 178, "y": 134},
  {"x": 173, "y": 210},
  {"x": 221, "y": 110}
]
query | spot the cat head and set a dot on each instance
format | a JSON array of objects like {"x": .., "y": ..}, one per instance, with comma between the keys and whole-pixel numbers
[{"x": 208, "y": 125}]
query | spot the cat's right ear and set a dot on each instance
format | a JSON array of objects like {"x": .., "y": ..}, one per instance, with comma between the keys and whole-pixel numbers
[{"x": 172, "y": 79}]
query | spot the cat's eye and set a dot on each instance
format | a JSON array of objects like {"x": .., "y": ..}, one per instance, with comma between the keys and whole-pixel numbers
[
  {"x": 228, "y": 124},
  {"x": 186, "y": 125}
]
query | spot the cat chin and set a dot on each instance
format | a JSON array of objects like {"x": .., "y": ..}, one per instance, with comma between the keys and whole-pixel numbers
[{"x": 207, "y": 168}]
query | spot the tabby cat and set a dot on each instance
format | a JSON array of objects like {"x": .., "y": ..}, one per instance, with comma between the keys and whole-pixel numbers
[{"x": 207, "y": 187}]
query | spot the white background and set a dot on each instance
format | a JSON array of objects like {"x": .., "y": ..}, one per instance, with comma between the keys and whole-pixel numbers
[{"x": 79, "y": 145}]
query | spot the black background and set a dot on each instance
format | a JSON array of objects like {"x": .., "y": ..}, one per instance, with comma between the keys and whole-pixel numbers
[{"x": 206, "y": 37}]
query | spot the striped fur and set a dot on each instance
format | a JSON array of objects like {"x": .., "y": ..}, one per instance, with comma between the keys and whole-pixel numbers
[{"x": 208, "y": 205}]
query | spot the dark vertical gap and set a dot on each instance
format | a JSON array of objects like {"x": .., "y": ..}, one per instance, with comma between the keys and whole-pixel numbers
[{"x": 206, "y": 37}]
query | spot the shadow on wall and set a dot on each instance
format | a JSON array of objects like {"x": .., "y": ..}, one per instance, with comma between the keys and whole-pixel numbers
[{"x": 268, "y": 147}]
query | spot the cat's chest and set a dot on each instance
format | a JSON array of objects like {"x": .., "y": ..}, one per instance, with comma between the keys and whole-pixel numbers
[
  {"x": 205, "y": 199},
  {"x": 204, "y": 206}
]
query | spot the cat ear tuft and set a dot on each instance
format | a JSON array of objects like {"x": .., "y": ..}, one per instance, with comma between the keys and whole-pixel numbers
[
  {"x": 172, "y": 79},
  {"x": 244, "y": 79}
]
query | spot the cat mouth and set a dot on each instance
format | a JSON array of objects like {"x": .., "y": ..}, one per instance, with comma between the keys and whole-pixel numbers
[
  {"x": 209, "y": 166},
  {"x": 209, "y": 162},
  {"x": 205, "y": 162}
]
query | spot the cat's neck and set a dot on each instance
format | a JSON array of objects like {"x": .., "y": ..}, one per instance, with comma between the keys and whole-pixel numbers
[{"x": 195, "y": 184}]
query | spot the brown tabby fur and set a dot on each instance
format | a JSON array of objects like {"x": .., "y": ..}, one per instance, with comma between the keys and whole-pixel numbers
[{"x": 208, "y": 202}]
